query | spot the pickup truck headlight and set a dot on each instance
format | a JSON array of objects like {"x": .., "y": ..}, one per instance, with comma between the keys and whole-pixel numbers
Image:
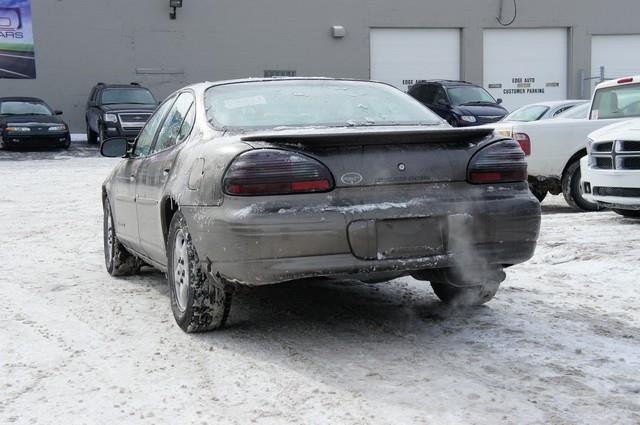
[
  {"x": 110, "y": 118},
  {"x": 468, "y": 118},
  {"x": 58, "y": 128},
  {"x": 18, "y": 129}
]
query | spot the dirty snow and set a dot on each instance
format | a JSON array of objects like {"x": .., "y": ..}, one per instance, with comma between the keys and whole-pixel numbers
[{"x": 560, "y": 344}]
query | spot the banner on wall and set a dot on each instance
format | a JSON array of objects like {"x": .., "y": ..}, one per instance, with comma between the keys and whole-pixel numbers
[{"x": 17, "y": 56}]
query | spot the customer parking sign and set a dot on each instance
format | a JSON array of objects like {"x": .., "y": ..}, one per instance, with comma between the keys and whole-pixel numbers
[{"x": 17, "y": 57}]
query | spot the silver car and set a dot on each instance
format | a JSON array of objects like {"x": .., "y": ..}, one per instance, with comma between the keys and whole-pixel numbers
[{"x": 256, "y": 182}]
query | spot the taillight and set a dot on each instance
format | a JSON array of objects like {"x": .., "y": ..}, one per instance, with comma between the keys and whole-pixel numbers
[
  {"x": 524, "y": 142},
  {"x": 625, "y": 80},
  {"x": 276, "y": 172},
  {"x": 501, "y": 162}
]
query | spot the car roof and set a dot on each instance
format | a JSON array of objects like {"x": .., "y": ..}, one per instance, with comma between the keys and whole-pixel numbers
[
  {"x": 21, "y": 99},
  {"x": 207, "y": 84},
  {"x": 120, "y": 86},
  {"x": 451, "y": 83}
]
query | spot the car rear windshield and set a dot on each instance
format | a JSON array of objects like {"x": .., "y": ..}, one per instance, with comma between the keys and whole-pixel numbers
[
  {"x": 124, "y": 95},
  {"x": 469, "y": 95},
  {"x": 527, "y": 113},
  {"x": 616, "y": 102},
  {"x": 312, "y": 103}
]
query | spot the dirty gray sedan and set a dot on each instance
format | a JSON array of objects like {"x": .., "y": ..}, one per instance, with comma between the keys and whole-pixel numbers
[{"x": 256, "y": 182}]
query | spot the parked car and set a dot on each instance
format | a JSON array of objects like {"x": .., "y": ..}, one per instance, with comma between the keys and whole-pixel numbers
[
  {"x": 542, "y": 110},
  {"x": 555, "y": 147},
  {"x": 29, "y": 121},
  {"x": 257, "y": 182},
  {"x": 460, "y": 103},
  {"x": 118, "y": 110},
  {"x": 611, "y": 172}
]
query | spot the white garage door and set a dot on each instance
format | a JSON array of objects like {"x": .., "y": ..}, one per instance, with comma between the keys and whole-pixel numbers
[
  {"x": 617, "y": 53},
  {"x": 524, "y": 66},
  {"x": 403, "y": 57}
]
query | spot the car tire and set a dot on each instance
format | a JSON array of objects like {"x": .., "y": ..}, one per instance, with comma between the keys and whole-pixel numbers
[
  {"x": 118, "y": 260},
  {"x": 627, "y": 213},
  {"x": 572, "y": 190},
  {"x": 92, "y": 136},
  {"x": 538, "y": 193},
  {"x": 199, "y": 302},
  {"x": 467, "y": 296}
]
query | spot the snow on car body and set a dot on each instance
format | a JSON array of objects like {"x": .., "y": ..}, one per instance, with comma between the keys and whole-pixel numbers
[
  {"x": 554, "y": 149},
  {"x": 278, "y": 180}
]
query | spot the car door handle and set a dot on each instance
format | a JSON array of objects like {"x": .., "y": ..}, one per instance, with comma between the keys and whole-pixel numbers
[
  {"x": 132, "y": 178},
  {"x": 166, "y": 171}
]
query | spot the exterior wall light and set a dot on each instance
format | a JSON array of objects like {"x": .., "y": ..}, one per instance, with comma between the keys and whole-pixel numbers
[
  {"x": 338, "y": 31},
  {"x": 173, "y": 5}
]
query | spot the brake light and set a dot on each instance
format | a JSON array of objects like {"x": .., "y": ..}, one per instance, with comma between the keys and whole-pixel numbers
[
  {"x": 524, "y": 142},
  {"x": 625, "y": 80},
  {"x": 501, "y": 162},
  {"x": 276, "y": 172}
]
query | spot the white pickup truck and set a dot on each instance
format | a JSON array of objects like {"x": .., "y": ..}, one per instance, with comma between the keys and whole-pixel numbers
[
  {"x": 611, "y": 172},
  {"x": 554, "y": 147}
]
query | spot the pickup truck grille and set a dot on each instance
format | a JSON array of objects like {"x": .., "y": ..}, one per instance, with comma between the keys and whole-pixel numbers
[{"x": 616, "y": 155}]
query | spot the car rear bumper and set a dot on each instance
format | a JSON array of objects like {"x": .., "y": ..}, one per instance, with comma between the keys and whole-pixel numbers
[
  {"x": 349, "y": 232},
  {"x": 611, "y": 188}
]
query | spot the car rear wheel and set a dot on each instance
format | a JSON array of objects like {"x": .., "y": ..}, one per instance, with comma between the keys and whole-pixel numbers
[
  {"x": 118, "y": 260},
  {"x": 465, "y": 296},
  {"x": 572, "y": 189},
  {"x": 628, "y": 213},
  {"x": 199, "y": 303}
]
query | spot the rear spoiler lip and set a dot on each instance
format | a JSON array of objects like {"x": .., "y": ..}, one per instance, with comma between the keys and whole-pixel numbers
[
  {"x": 345, "y": 136},
  {"x": 311, "y": 134}
]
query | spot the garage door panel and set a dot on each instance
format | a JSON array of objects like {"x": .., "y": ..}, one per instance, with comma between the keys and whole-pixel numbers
[
  {"x": 609, "y": 51},
  {"x": 404, "y": 56},
  {"x": 523, "y": 66}
]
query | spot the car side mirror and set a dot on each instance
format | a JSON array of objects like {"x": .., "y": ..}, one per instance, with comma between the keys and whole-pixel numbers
[
  {"x": 115, "y": 148},
  {"x": 57, "y": 112},
  {"x": 442, "y": 102},
  {"x": 499, "y": 101}
]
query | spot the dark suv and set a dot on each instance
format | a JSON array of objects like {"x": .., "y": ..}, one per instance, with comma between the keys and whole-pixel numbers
[
  {"x": 118, "y": 110},
  {"x": 462, "y": 104}
]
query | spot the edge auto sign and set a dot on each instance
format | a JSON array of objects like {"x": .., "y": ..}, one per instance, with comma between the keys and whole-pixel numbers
[{"x": 17, "y": 57}]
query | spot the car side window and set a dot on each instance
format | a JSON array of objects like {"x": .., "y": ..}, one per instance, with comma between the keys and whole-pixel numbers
[
  {"x": 561, "y": 110},
  {"x": 148, "y": 133},
  {"x": 425, "y": 94},
  {"x": 440, "y": 96},
  {"x": 170, "y": 130},
  {"x": 188, "y": 123}
]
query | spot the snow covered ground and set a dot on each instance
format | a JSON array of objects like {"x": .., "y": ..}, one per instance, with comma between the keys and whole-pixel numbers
[{"x": 560, "y": 344}]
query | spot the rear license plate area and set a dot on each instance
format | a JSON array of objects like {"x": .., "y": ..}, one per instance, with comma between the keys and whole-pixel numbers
[{"x": 410, "y": 238}]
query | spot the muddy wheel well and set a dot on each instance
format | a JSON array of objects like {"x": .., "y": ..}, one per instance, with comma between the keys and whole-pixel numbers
[
  {"x": 576, "y": 157},
  {"x": 169, "y": 208}
]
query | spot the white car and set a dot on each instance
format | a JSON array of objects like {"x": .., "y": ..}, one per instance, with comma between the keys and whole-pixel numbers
[
  {"x": 543, "y": 110},
  {"x": 611, "y": 172},
  {"x": 554, "y": 147}
]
